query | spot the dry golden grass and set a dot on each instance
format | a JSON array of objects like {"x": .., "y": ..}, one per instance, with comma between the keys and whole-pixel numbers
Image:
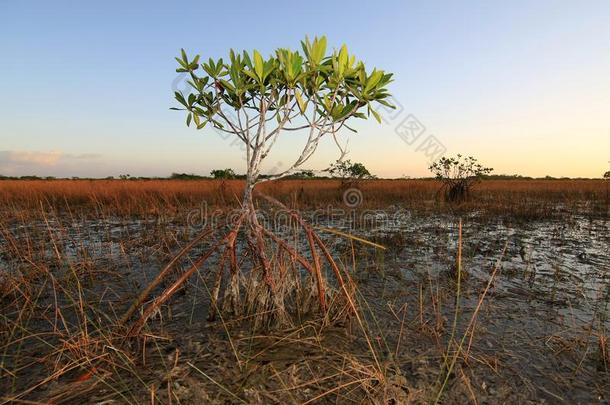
[{"x": 141, "y": 197}]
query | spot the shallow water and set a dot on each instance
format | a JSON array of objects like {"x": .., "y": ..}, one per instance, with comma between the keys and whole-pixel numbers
[
  {"x": 542, "y": 315},
  {"x": 547, "y": 305}
]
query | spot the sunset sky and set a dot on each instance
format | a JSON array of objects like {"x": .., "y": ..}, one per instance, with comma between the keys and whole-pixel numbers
[{"x": 523, "y": 85}]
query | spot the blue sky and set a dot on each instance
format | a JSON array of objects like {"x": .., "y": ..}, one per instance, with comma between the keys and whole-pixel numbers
[{"x": 524, "y": 86}]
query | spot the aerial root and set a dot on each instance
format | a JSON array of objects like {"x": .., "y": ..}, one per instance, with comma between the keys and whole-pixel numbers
[{"x": 262, "y": 281}]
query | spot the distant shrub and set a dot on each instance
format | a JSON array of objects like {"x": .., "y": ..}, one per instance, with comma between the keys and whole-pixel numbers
[
  {"x": 305, "y": 174},
  {"x": 458, "y": 175},
  {"x": 223, "y": 174},
  {"x": 349, "y": 172},
  {"x": 185, "y": 176}
]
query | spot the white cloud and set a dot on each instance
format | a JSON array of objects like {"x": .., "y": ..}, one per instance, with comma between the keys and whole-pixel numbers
[
  {"x": 14, "y": 157},
  {"x": 15, "y": 162}
]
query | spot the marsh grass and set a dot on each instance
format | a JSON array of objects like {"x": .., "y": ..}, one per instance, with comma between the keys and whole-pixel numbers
[
  {"x": 174, "y": 198},
  {"x": 74, "y": 255}
]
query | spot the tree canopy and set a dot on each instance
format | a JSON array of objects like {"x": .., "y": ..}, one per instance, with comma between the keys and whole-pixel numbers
[{"x": 257, "y": 98}]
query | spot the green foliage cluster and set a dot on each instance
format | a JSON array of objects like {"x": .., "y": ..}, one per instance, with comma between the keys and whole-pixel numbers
[
  {"x": 458, "y": 175},
  {"x": 335, "y": 86},
  {"x": 225, "y": 174},
  {"x": 348, "y": 170}
]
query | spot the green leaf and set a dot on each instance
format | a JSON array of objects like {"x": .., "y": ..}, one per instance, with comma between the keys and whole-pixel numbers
[
  {"x": 306, "y": 46},
  {"x": 219, "y": 65},
  {"x": 180, "y": 98},
  {"x": 350, "y": 108},
  {"x": 342, "y": 60},
  {"x": 319, "y": 49},
  {"x": 373, "y": 79},
  {"x": 181, "y": 62},
  {"x": 269, "y": 67},
  {"x": 251, "y": 74},
  {"x": 228, "y": 86},
  {"x": 188, "y": 119},
  {"x": 247, "y": 60},
  {"x": 259, "y": 66},
  {"x": 300, "y": 102},
  {"x": 376, "y": 115},
  {"x": 392, "y": 106},
  {"x": 297, "y": 64},
  {"x": 336, "y": 112}
]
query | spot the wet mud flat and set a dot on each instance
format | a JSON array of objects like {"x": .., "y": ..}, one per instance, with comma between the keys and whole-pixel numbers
[
  {"x": 542, "y": 328},
  {"x": 531, "y": 327}
]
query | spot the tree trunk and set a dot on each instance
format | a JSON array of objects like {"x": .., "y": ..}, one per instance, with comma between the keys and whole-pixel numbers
[{"x": 263, "y": 294}]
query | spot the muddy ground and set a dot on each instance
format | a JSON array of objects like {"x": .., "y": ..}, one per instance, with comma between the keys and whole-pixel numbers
[{"x": 539, "y": 335}]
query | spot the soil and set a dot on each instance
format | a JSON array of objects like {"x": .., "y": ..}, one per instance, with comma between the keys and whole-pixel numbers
[{"x": 540, "y": 334}]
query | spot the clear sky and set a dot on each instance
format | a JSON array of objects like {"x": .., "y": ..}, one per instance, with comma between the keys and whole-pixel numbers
[{"x": 85, "y": 87}]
